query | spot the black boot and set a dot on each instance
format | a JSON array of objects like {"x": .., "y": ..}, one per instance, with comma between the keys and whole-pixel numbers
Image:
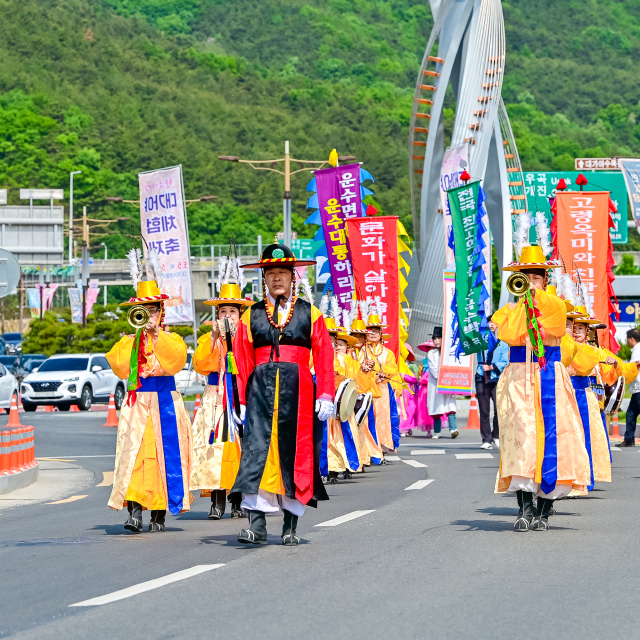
[
  {"x": 257, "y": 531},
  {"x": 218, "y": 504},
  {"x": 526, "y": 513},
  {"x": 236, "y": 511},
  {"x": 157, "y": 521},
  {"x": 134, "y": 522},
  {"x": 289, "y": 537},
  {"x": 347, "y": 475},
  {"x": 541, "y": 522},
  {"x": 333, "y": 477}
]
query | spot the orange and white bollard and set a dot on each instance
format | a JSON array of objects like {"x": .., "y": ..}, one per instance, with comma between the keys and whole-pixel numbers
[
  {"x": 5, "y": 454},
  {"x": 14, "y": 417},
  {"x": 195, "y": 410},
  {"x": 112, "y": 415},
  {"x": 473, "y": 421},
  {"x": 615, "y": 429}
]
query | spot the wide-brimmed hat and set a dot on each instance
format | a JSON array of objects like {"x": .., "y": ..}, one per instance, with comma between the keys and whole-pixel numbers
[
  {"x": 342, "y": 334},
  {"x": 375, "y": 322},
  {"x": 426, "y": 346},
  {"x": 412, "y": 356},
  {"x": 583, "y": 316},
  {"x": 147, "y": 292},
  {"x": 278, "y": 255},
  {"x": 229, "y": 294},
  {"x": 532, "y": 257},
  {"x": 358, "y": 326}
]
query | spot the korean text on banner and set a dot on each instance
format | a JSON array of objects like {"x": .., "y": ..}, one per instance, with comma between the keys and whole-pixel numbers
[
  {"x": 374, "y": 253},
  {"x": 456, "y": 374},
  {"x": 631, "y": 173},
  {"x": 338, "y": 192},
  {"x": 162, "y": 218},
  {"x": 471, "y": 296},
  {"x": 583, "y": 245},
  {"x": 75, "y": 300},
  {"x": 455, "y": 161}
]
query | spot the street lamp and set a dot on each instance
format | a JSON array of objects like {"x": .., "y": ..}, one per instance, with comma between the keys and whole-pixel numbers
[
  {"x": 287, "y": 173},
  {"x": 73, "y": 173},
  {"x": 102, "y": 244}
]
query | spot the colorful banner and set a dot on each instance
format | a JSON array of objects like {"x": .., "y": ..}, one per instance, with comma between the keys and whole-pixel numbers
[
  {"x": 376, "y": 268},
  {"x": 455, "y": 161},
  {"x": 583, "y": 244},
  {"x": 338, "y": 198},
  {"x": 33, "y": 296},
  {"x": 164, "y": 227},
  {"x": 631, "y": 173},
  {"x": 468, "y": 216},
  {"x": 456, "y": 374},
  {"x": 75, "y": 300},
  {"x": 539, "y": 186},
  {"x": 92, "y": 296}
]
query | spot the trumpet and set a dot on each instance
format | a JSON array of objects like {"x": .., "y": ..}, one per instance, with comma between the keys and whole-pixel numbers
[
  {"x": 518, "y": 284},
  {"x": 138, "y": 316}
]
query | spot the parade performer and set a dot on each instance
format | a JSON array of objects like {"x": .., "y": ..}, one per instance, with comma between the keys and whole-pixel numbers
[
  {"x": 276, "y": 338},
  {"x": 408, "y": 407},
  {"x": 423, "y": 418},
  {"x": 153, "y": 451},
  {"x": 439, "y": 404},
  {"x": 388, "y": 380},
  {"x": 541, "y": 443},
  {"x": 216, "y": 441}
]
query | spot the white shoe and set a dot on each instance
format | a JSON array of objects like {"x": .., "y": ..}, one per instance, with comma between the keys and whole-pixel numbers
[
  {"x": 454, "y": 434},
  {"x": 436, "y": 436},
  {"x": 496, "y": 444},
  {"x": 486, "y": 445}
]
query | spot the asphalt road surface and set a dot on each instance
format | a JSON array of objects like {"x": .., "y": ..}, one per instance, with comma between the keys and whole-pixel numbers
[{"x": 419, "y": 548}]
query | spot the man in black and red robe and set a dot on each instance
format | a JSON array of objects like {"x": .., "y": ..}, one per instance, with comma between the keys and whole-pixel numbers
[{"x": 277, "y": 342}]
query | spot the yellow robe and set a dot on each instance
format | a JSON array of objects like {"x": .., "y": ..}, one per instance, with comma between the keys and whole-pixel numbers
[
  {"x": 519, "y": 403},
  {"x": 140, "y": 473},
  {"x": 216, "y": 465}
]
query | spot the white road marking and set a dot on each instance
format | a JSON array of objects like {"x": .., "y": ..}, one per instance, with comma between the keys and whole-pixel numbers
[
  {"x": 345, "y": 518},
  {"x": 472, "y": 456},
  {"x": 111, "y": 455},
  {"x": 427, "y": 452},
  {"x": 414, "y": 463},
  {"x": 421, "y": 484},
  {"x": 393, "y": 458},
  {"x": 71, "y": 499},
  {"x": 147, "y": 586}
]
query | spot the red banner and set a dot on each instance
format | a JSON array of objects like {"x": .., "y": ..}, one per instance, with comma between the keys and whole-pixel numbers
[
  {"x": 373, "y": 244},
  {"x": 582, "y": 224}
]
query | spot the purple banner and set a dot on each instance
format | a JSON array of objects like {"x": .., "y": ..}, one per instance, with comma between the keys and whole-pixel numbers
[{"x": 339, "y": 198}]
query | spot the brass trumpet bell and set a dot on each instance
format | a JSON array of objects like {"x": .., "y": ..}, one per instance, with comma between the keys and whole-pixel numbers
[
  {"x": 138, "y": 316},
  {"x": 518, "y": 284}
]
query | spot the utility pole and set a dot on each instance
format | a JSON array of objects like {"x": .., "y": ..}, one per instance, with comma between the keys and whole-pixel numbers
[
  {"x": 41, "y": 292},
  {"x": 105, "y": 286},
  {"x": 73, "y": 173},
  {"x": 85, "y": 265}
]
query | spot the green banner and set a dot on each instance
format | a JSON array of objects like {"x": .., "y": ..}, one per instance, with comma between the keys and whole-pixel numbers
[
  {"x": 468, "y": 244},
  {"x": 540, "y": 185}
]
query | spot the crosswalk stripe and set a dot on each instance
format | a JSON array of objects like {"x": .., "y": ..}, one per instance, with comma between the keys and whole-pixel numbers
[
  {"x": 147, "y": 586},
  {"x": 414, "y": 463},
  {"x": 421, "y": 484},
  {"x": 427, "y": 452},
  {"x": 345, "y": 518},
  {"x": 393, "y": 458},
  {"x": 472, "y": 456}
]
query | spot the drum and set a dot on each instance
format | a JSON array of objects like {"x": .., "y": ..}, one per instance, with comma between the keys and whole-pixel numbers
[
  {"x": 614, "y": 395},
  {"x": 345, "y": 401},
  {"x": 598, "y": 389},
  {"x": 363, "y": 404}
]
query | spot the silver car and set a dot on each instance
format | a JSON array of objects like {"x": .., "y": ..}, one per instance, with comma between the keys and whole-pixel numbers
[{"x": 66, "y": 379}]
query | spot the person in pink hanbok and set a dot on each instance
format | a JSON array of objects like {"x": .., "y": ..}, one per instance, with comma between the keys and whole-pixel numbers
[
  {"x": 407, "y": 407},
  {"x": 424, "y": 422}
]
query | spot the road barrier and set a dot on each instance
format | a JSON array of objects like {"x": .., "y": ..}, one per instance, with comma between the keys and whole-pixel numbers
[
  {"x": 473, "y": 421},
  {"x": 18, "y": 452},
  {"x": 112, "y": 416},
  {"x": 195, "y": 411}
]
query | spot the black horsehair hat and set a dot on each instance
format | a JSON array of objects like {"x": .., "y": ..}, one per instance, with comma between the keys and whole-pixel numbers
[
  {"x": 278, "y": 255},
  {"x": 437, "y": 332}
]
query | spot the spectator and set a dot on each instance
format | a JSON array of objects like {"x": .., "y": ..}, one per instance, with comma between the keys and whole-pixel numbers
[
  {"x": 490, "y": 365},
  {"x": 439, "y": 404},
  {"x": 633, "y": 340}
]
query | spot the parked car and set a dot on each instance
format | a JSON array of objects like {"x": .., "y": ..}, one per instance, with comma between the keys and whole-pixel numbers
[
  {"x": 8, "y": 387},
  {"x": 4, "y": 348},
  {"x": 13, "y": 341},
  {"x": 25, "y": 363},
  {"x": 12, "y": 363},
  {"x": 188, "y": 381},
  {"x": 66, "y": 379}
]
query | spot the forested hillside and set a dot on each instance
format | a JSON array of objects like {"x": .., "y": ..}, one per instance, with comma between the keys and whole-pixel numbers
[{"x": 112, "y": 87}]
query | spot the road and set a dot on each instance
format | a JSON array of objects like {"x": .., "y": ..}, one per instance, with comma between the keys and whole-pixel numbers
[{"x": 439, "y": 560}]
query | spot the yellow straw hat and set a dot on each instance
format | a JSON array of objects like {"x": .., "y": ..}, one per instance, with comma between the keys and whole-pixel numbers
[
  {"x": 349, "y": 339},
  {"x": 552, "y": 290},
  {"x": 583, "y": 317},
  {"x": 146, "y": 293},
  {"x": 532, "y": 257},
  {"x": 229, "y": 294}
]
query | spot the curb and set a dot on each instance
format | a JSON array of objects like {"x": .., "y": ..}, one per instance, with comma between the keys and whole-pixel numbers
[{"x": 20, "y": 480}]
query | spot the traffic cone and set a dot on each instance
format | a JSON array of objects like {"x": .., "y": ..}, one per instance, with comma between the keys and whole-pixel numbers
[
  {"x": 49, "y": 408},
  {"x": 195, "y": 411},
  {"x": 74, "y": 407},
  {"x": 14, "y": 416},
  {"x": 473, "y": 421},
  {"x": 112, "y": 416}
]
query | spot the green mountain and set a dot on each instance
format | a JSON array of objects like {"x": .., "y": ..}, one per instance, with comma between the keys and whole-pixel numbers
[{"x": 113, "y": 87}]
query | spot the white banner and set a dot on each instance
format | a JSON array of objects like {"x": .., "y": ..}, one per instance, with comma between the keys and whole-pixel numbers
[
  {"x": 455, "y": 161},
  {"x": 164, "y": 227},
  {"x": 75, "y": 300}
]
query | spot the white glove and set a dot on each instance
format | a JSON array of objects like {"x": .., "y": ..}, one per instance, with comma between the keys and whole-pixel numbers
[
  {"x": 324, "y": 409},
  {"x": 243, "y": 413}
]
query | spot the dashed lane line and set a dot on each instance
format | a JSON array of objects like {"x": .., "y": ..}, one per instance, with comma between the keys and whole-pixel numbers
[
  {"x": 345, "y": 518},
  {"x": 147, "y": 586},
  {"x": 421, "y": 484},
  {"x": 427, "y": 452},
  {"x": 414, "y": 463},
  {"x": 393, "y": 458},
  {"x": 472, "y": 456},
  {"x": 71, "y": 499}
]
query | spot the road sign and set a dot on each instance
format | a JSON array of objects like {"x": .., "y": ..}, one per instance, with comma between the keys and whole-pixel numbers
[
  {"x": 41, "y": 194},
  {"x": 302, "y": 247},
  {"x": 539, "y": 186},
  {"x": 9, "y": 273},
  {"x": 3, "y": 196},
  {"x": 597, "y": 164}
]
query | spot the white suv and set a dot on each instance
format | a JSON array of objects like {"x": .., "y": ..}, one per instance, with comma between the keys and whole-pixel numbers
[{"x": 66, "y": 379}]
